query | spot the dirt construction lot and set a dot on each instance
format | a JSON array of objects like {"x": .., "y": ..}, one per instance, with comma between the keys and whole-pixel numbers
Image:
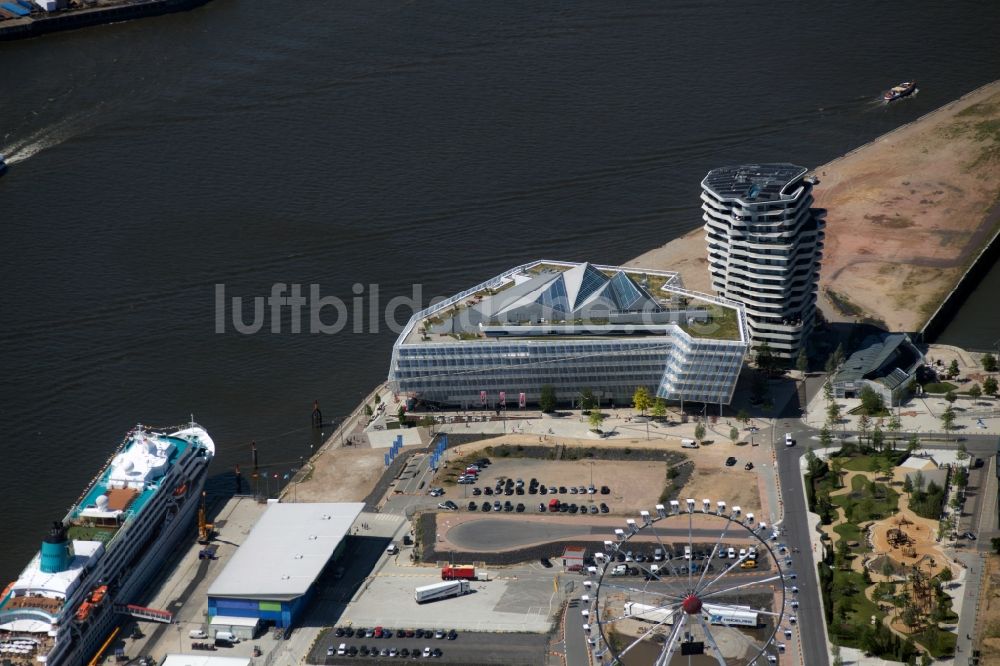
[{"x": 634, "y": 485}]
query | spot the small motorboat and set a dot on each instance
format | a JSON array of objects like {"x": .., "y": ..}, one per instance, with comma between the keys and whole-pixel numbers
[{"x": 900, "y": 91}]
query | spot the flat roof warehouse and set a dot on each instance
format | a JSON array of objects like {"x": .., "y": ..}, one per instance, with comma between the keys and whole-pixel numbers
[{"x": 286, "y": 551}]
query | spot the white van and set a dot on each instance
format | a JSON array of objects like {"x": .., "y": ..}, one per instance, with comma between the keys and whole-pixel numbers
[
  {"x": 197, "y": 634},
  {"x": 689, "y": 444},
  {"x": 342, "y": 649},
  {"x": 658, "y": 555},
  {"x": 392, "y": 549},
  {"x": 731, "y": 553},
  {"x": 788, "y": 439},
  {"x": 227, "y": 636},
  {"x": 687, "y": 552}
]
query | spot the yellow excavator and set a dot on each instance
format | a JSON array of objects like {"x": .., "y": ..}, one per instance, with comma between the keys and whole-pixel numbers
[{"x": 204, "y": 528}]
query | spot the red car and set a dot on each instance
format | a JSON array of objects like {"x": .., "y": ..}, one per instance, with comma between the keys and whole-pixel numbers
[{"x": 378, "y": 632}]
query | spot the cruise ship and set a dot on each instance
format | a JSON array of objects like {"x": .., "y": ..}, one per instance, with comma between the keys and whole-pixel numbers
[{"x": 99, "y": 558}]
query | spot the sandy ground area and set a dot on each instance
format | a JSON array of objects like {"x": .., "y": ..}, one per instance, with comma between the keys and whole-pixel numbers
[
  {"x": 634, "y": 485},
  {"x": 342, "y": 475},
  {"x": 990, "y": 613},
  {"x": 711, "y": 478},
  {"x": 906, "y": 214}
]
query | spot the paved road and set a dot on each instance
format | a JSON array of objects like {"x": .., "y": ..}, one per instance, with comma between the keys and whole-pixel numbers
[
  {"x": 499, "y": 534},
  {"x": 811, "y": 628},
  {"x": 574, "y": 639}
]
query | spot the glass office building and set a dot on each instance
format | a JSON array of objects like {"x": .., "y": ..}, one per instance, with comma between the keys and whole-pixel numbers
[{"x": 575, "y": 326}]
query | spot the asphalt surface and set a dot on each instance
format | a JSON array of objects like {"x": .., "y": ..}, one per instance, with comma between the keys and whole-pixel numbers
[
  {"x": 574, "y": 638},
  {"x": 810, "y": 627},
  {"x": 468, "y": 649},
  {"x": 501, "y": 534}
]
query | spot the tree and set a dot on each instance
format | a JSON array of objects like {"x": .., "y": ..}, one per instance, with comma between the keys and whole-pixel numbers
[
  {"x": 872, "y": 403},
  {"x": 843, "y": 551},
  {"x": 907, "y": 485},
  {"x": 990, "y": 363},
  {"x": 837, "y": 467},
  {"x": 833, "y": 414},
  {"x": 378, "y": 399},
  {"x": 659, "y": 408},
  {"x": 990, "y": 386},
  {"x": 743, "y": 416},
  {"x": 368, "y": 409},
  {"x": 699, "y": 431},
  {"x": 951, "y": 397},
  {"x": 953, "y": 369},
  {"x": 765, "y": 358},
  {"x": 918, "y": 481},
  {"x": 641, "y": 399},
  {"x": 864, "y": 425},
  {"x": 734, "y": 434},
  {"x": 976, "y": 392},
  {"x": 948, "y": 420},
  {"x": 587, "y": 401},
  {"x": 825, "y": 438},
  {"x": 894, "y": 426},
  {"x": 802, "y": 362},
  {"x": 911, "y": 616},
  {"x": 962, "y": 454},
  {"x": 913, "y": 443},
  {"x": 961, "y": 478},
  {"x": 547, "y": 399},
  {"x": 401, "y": 414},
  {"x": 878, "y": 438},
  {"x": 828, "y": 391},
  {"x": 596, "y": 418}
]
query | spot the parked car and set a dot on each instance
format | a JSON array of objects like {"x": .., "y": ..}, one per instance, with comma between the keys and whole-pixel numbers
[
  {"x": 605, "y": 490},
  {"x": 748, "y": 466},
  {"x": 436, "y": 492},
  {"x": 519, "y": 508},
  {"x": 473, "y": 506},
  {"x": 477, "y": 491},
  {"x": 448, "y": 505},
  {"x": 541, "y": 507},
  {"x": 604, "y": 508},
  {"x": 594, "y": 509},
  {"x": 730, "y": 461},
  {"x": 486, "y": 507}
]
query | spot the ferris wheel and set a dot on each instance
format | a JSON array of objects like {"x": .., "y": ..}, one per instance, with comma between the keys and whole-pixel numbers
[{"x": 688, "y": 584}]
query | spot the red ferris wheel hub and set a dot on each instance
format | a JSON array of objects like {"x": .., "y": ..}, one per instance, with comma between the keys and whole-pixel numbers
[{"x": 691, "y": 605}]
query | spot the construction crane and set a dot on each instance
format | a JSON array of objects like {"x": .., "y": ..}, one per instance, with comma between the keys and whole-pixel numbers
[{"x": 204, "y": 527}]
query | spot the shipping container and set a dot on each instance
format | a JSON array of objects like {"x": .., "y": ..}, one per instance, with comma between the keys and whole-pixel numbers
[
  {"x": 15, "y": 8},
  {"x": 450, "y": 572}
]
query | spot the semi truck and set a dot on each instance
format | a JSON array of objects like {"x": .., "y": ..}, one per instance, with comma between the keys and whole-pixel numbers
[
  {"x": 435, "y": 591},
  {"x": 742, "y": 616},
  {"x": 451, "y": 572}
]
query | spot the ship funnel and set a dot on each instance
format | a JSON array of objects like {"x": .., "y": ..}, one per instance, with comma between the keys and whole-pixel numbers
[{"x": 56, "y": 553}]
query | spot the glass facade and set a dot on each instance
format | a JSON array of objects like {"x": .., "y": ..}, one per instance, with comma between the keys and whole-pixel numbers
[{"x": 668, "y": 361}]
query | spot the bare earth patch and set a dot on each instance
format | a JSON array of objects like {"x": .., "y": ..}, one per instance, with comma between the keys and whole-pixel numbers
[{"x": 907, "y": 214}]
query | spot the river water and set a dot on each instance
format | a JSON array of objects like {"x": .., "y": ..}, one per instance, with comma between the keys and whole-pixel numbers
[{"x": 376, "y": 142}]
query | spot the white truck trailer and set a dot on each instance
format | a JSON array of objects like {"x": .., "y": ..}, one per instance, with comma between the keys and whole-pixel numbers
[
  {"x": 741, "y": 616},
  {"x": 435, "y": 591}
]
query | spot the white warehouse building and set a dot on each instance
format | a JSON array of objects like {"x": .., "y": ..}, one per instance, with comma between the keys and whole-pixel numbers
[
  {"x": 576, "y": 327},
  {"x": 764, "y": 248}
]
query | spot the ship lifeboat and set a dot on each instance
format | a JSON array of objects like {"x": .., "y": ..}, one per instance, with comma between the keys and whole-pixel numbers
[
  {"x": 180, "y": 490},
  {"x": 97, "y": 596},
  {"x": 83, "y": 612}
]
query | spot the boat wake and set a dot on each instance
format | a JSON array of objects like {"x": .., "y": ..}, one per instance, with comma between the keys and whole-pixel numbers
[{"x": 46, "y": 137}]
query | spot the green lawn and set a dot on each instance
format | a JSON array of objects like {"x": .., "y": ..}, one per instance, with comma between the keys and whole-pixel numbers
[
  {"x": 866, "y": 463},
  {"x": 852, "y": 584},
  {"x": 851, "y": 532},
  {"x": 939, "y": 387},
  {"x": 940, "y": 643},
  {"x": 861, "y": 505}
]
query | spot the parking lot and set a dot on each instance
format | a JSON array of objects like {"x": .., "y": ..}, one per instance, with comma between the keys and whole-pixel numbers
[
  {"x": 466, "y": 648},
  {"x": 521, "y": 599},
  {"x": 630, "y": 485}
]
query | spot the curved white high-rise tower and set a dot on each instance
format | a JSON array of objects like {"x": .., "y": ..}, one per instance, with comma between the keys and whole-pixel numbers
[{"x": 764, "y": 249}]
